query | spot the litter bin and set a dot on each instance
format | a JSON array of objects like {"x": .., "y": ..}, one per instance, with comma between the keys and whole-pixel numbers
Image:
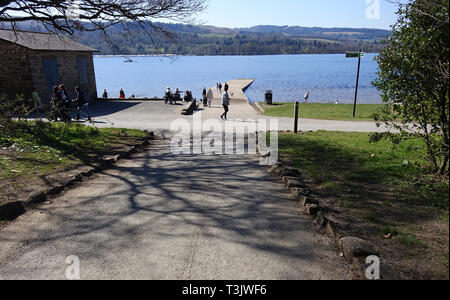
[{"x": 269, "y": 97}]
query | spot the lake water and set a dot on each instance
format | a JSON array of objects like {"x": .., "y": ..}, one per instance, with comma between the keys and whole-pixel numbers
[{"x": 327, "y": 77}]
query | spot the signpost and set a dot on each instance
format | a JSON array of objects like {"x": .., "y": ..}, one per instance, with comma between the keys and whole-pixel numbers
[
  {"x": 358, "y": 55},
  {"x": 296, "y": 117}
]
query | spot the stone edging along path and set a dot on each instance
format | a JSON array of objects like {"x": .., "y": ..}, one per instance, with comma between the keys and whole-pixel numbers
[
  {"x": 355, "y": 250},
  {"x": 11, "y": 210}
]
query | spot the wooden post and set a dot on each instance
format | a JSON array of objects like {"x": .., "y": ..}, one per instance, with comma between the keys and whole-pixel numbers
[
  {"x": 296, "y": 117},
  {"x": 357, "y": 83}
]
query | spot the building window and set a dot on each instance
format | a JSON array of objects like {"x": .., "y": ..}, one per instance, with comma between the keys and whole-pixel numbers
[{"x": 82, "y": 70}]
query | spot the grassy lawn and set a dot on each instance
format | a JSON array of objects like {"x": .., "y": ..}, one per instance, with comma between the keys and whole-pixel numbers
[
  {"x": 323, "y": 111},
  {"x": 380, "y": 193},
  {"x": 40, "y": 149}
]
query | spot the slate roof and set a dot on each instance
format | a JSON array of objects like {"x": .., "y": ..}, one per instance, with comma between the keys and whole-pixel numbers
[{"x": 43, "y": 41}]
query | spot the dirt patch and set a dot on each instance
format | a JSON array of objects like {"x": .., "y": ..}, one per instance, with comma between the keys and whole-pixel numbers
[{"x": 412, "y": 240}]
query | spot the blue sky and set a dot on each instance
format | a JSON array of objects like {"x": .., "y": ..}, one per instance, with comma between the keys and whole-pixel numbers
[{"x": 308, "y": 13}]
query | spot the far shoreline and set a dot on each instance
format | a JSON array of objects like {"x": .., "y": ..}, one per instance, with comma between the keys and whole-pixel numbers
[{"x": 190, "y": 55}]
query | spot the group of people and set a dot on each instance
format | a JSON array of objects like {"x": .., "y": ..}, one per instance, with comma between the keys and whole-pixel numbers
[
  {"x": 61, "y": 104},
  {"x": 219, "y": 87},
  {"x": 172, "y": 98},
  {"x": 207, "y": 97},
  {"x": 121, "y": 94}
]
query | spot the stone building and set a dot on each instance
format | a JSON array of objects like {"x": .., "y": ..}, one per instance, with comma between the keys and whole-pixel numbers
[{"x": 41, "y": 60}]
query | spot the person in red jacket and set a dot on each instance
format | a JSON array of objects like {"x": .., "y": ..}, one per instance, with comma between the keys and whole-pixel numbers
[{"x": 122, "y": 94}]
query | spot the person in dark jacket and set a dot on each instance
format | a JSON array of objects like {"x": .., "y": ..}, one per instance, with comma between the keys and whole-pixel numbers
[
  {"x": 58, "y": 108},
  {"x": 63, "y": 92},
  {"x": 82, "y": 104},
  {"x": 204, "y": 97},
  {"x": 57, "y": 95}
]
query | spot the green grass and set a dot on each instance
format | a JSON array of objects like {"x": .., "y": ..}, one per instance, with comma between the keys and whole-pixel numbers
[
  {"x": 342, "y": 161},
  {"x": 38, "y": 149},
  {"x": 411, "y": 241},
  {"x": 385, "y": 192},
  {"x": 364, "y": 112}
]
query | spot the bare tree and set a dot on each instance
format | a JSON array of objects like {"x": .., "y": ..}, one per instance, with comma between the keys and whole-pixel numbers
[{"x": 70, "y": 16}]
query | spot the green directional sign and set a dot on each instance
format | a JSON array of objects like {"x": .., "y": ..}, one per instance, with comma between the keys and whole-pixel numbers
[
  {"x": 351, "y": 54},
  {"x": 355, "y": 54}
]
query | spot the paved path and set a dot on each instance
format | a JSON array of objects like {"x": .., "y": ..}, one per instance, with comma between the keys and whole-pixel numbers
[
  {"x": 161, "y": 216},
  {"x": 157, "y": 116}
]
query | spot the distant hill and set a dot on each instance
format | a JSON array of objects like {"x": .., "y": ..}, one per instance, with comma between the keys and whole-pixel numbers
[
  {"x": 258, "y": 40},
  {"x": 345, "y": 33}
]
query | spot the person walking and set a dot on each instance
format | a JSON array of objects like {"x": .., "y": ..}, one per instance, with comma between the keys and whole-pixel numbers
[
  {"x": 306, "y": 97},
  {"x": 220, "y": 87},
  {"x": 82, "y": 103},
  {"x": 210, "y": 97},
  {"x": 225, "y": 104}
]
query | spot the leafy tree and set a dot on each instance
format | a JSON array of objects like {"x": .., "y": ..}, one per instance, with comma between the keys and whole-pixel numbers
[{"x": 413, "y": 78}]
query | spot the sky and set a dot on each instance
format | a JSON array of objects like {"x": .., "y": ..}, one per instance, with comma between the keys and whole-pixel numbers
[{"x": 307, "y": 13}]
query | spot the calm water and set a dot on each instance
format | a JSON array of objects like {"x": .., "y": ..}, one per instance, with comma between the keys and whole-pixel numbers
[{"x": 327, "y": 77}]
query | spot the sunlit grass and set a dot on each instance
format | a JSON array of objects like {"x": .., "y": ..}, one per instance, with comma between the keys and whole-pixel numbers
[{"x": 364, "y": 112}]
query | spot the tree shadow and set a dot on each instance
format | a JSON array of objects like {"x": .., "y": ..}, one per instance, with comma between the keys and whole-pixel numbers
[{"x": 162, "y": 198}]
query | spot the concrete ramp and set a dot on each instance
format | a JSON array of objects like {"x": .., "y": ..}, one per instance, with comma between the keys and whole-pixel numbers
[
  {"x": 239, "y": 106},
  {"x": 236, "y": 90}
]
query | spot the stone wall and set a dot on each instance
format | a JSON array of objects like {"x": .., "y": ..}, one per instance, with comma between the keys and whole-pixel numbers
[
  {"x": 15, "y": 76},
  {"x": 67, "y": 63}
]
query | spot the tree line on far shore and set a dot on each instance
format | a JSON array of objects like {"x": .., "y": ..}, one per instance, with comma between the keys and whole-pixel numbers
[{"x": 198, "y": 40}]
